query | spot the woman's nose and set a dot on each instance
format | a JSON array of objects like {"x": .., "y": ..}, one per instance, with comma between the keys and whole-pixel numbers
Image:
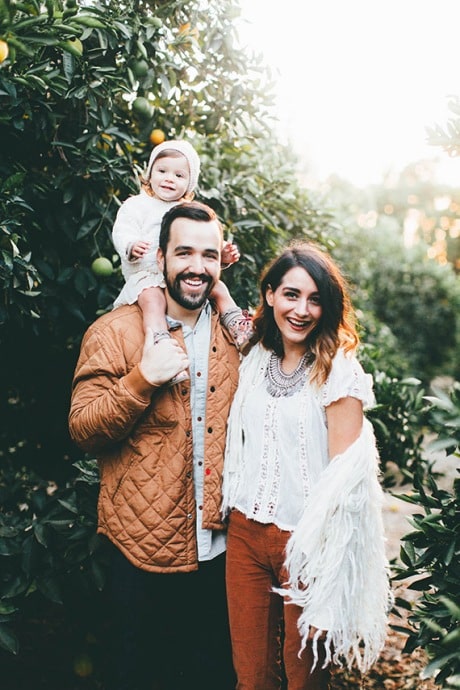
[{"x": 302, "y": 307}]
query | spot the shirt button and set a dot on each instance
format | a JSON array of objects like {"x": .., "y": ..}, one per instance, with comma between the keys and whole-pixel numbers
[
  {"x": 200, "y": 462},
  {"x": 188, "y": 475},
  {"x": 209, "y": 429},
  {"x": 200, "y": 507},
  {"x": 188, "y": 433},
  {"x": 199, "y": 418},
  {"x": 214, "y": 348},
  {"x": 212, "y": 389},
  {"x": 189, "y": 516},
  {"x": 198, "y": 373}
]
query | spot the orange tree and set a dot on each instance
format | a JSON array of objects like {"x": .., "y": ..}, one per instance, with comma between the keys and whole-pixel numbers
[
  {"x": 85, "y": 90},
  {"x": 82, "y": 89}
]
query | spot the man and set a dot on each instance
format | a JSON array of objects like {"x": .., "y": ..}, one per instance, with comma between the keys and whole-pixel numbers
[{"x": 160, "y": 451}]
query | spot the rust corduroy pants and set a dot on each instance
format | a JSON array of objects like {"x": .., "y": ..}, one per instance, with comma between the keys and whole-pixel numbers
[{"x": 263, "y": 626}]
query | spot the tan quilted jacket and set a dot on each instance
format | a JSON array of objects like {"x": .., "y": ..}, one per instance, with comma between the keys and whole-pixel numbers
[{"x": 143, "y": 442}]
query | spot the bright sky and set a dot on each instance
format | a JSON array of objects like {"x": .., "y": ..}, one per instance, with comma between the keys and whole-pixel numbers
[{"x": 359, "y": 80}]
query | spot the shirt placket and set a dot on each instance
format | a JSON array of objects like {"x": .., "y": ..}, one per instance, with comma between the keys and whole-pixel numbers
[{"x": 197, "y": 344}]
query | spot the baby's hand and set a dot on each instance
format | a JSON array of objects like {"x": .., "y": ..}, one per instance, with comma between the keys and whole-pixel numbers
[
  {"x": 230, "y": 254},
  {"x": 139, "y": 249}
]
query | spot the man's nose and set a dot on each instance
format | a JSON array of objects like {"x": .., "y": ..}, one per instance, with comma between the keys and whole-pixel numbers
[{"x": 196, "y": 263}]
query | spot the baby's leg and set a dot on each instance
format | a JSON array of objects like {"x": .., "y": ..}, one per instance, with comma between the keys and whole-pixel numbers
[{"x": 153, "y": 305}]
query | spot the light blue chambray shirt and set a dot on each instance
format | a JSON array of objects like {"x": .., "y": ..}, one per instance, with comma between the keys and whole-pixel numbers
[{"x": 211, "y": 543}]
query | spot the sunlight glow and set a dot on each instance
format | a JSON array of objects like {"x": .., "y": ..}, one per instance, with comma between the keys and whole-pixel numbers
[{"x": 359, "y": 81}]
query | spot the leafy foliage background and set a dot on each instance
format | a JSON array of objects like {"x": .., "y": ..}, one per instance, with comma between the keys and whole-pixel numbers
[{"x": 81, "y": 90}]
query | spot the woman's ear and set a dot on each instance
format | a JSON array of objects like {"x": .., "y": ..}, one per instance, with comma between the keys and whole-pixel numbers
[{"x": 269, "y": 296}]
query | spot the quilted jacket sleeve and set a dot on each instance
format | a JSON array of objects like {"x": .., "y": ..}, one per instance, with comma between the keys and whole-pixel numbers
[{"x": 108, "y": 395}]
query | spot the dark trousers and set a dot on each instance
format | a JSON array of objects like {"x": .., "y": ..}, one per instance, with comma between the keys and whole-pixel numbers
[{"x": 169, "y": 631}]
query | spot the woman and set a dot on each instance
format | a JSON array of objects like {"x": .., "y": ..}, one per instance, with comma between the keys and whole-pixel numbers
[{"x": 306, "y": 566}]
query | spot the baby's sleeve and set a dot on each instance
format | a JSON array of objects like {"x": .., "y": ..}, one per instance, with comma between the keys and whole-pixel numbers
[
  {"x": 347, "y": 380},
  {"x": 126, "y": 227}
]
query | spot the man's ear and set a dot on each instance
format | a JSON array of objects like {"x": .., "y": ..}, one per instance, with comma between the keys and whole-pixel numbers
[{"x": 160, "y": 260}]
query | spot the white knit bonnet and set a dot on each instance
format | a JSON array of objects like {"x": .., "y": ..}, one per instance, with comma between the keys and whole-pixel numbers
[{"x": 186, "y": 150}]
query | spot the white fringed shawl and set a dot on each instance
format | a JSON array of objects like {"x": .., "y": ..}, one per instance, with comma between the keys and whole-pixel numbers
[{"x": 338, "y": 571}]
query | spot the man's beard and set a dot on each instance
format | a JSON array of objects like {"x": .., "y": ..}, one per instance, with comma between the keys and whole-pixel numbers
[{"x": 175, "y": 290}]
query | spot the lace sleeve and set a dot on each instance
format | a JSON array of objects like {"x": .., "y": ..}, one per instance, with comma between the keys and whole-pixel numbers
[
  {"x": 239, "y": 324},
  {"x": 347, "y": 379}
]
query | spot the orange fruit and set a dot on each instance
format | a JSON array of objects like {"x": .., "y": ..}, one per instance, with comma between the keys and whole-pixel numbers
[
  {"x": 83, "y": 666},
  {"x": 157, "y": 136},
  {"x": 102, "y": 267},
  {"x": 73, "y": 46},
  {"x": 3, "y": 51},
  {"x": 187, "y": 32},
  {"x": 155, "y": 21},
  {"x": 104, "y": 142},
  {"x": 140, "y": 68},
  {"x": 142, "y": 108}
]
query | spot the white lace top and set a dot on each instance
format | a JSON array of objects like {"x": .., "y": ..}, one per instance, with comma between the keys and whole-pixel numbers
[{"x": 284, "y": 440}]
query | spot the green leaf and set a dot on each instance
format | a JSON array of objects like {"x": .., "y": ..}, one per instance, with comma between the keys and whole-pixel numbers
[
  {"x": 49, "y": 586},
  {"x": 8, "y": 639},
  {"x": 68, "y": 64},
  {"x": 69, "y": 505},
  {"x": 40, "y": 532}
]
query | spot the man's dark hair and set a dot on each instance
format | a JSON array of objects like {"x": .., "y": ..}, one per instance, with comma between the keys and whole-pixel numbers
[{"x": 193, "y": 210}]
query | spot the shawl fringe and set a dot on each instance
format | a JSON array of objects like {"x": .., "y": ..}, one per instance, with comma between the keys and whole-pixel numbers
[{"x": 338, "y": 571}]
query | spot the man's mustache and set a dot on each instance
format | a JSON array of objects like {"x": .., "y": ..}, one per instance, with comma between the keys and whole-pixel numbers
[{"x": 201, "y": 276}]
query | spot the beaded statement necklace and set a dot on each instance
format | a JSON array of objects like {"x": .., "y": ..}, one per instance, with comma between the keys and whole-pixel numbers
[{"x": 280, "y": 384}]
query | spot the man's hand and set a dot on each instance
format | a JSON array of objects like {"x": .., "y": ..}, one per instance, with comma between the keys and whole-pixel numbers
[{"x": 161, "y": 362}]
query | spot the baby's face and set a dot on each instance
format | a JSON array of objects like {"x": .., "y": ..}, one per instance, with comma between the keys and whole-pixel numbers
[{"x": 170, "y": 178}]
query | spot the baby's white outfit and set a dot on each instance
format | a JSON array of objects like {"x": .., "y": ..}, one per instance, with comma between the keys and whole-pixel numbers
[{"x": 139, "y": 218}]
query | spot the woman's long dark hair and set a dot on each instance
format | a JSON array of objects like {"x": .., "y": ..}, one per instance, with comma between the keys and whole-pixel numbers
[{"x": 336, "y": 327}]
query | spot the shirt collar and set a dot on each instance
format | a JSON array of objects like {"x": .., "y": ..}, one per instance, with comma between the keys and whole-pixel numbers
[{"x": 204, "y": 313}]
